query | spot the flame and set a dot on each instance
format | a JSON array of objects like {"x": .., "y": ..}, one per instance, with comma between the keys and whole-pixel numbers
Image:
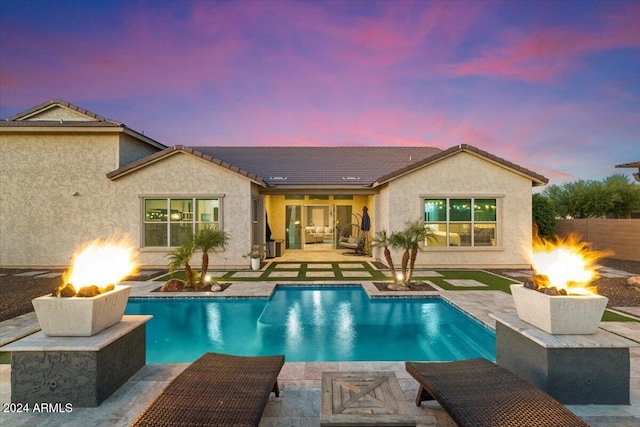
[
  {"x": 101, "y": 263},
  {"x": 568, "y": 263}
]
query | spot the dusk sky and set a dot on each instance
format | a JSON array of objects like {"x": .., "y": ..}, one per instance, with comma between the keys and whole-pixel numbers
[{"x": 553, "y": 86}]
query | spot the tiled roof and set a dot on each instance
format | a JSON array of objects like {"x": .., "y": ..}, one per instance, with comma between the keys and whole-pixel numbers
[
  {"x": 31, "y": 111},
  {"x": 629, "y": 165},
  {"x": 536, "y": 178},
  {"x": 21, "y": 120},
  {"x": 131, "y": 167},
  {"x": 57, "y": 123},
  {"x": 323, "y": 166},
  {"x": 290, "y": 166}
]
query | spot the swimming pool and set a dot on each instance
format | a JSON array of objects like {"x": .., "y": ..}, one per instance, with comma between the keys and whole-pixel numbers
[{"x": 312, "y": 324}]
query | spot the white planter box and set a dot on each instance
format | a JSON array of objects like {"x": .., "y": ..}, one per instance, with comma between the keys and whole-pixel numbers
[
  {"x": 81, "y": 317},
  {"x": 570, "y": 314}
]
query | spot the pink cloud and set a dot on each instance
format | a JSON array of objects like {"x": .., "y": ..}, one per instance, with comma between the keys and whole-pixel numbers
[{"x": 552, "y": 52}]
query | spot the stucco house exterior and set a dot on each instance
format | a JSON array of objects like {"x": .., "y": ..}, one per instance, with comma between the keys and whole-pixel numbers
[{"x": 68, "y": 176}]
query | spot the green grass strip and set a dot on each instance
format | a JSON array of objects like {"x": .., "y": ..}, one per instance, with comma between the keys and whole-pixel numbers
[{"x": 610, "y": 316}]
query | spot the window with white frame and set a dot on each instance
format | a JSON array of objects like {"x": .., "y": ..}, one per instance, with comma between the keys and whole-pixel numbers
[
  {"x": 169, "y": 222},
  {"x": 471, "y": 222}
]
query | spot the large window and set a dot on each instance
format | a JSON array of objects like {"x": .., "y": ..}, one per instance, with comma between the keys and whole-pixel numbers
[
  {"x": 461, "y": 221},
  {"x": 171, "y": 221}
]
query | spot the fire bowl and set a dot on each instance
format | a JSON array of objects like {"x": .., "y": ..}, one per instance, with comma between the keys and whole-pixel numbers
[
  {"x": 78, "y": 316},
  {"x": 562, "y": 314}
]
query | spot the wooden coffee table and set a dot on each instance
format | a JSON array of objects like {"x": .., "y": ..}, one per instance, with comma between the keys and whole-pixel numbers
[{"x": 363, "y": 398}]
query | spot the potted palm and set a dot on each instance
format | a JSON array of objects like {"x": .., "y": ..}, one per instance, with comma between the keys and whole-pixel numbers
[{"x": 256, "y": 257}]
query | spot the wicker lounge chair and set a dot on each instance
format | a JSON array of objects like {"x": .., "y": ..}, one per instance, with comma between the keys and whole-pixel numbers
[
  {"x": 216, "y": 390},
  {"x": 480, "y": 393}
]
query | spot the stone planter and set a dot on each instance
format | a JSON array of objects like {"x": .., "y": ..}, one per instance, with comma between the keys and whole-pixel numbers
[
  {"x": 255, "y": 263},
  {"x": 557, "y": 315},
  {"x": 81, "y": 317}
]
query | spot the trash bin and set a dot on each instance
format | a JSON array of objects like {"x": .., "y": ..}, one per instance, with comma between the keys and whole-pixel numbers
[{"x": 271, "y": 249}]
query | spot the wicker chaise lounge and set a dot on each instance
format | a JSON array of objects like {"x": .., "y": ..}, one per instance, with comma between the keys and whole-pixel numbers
[
  {"x": 480, "y": 393},
  {"x": 216, "y": 390}
]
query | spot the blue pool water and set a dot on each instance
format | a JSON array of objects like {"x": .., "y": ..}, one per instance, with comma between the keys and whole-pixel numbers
[{"x": 312, "y": 324}]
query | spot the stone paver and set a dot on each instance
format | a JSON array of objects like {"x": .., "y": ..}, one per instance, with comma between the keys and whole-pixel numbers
[
  {"x": 246, "y": 274},
  {"x": 320, "y": 274},
  {"x": 299, "y": 401},
  {"x": 350, "y": 266},
  {"x": 465, "y": 283},
  {"x": 283, "y": 274},
  {"x": 31, "y": 273},
  {"x": 364, "y": 274},
  {"x": 287, "y": 266},
  {"x": 425, "y": 273},
  {"x": 49, "y": 275},
  {"x": 319, "y": 266}
]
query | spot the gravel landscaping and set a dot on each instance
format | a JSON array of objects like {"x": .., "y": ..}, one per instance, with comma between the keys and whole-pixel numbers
[{"x": 18, "y": 291}]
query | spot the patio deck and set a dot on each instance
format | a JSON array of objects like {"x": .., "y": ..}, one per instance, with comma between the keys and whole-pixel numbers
[{"x": 299, "y": 401}]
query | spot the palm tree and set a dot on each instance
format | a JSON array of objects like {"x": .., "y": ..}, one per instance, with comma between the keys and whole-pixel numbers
[
  {"x": 403, "y": 240},
  {"x": 182, "y": 256},
  {"x": 383, "y": 240},
  {"x": 409, "y": 240},
  {"x": 417, "y": 233},
  {"x": 207, "y": 240}
]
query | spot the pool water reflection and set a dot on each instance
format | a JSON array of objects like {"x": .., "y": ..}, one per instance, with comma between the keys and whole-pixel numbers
[{"x": 313, "y": 324}]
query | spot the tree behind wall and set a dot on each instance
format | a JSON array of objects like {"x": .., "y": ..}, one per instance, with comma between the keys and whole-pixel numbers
[
  {"x": 615, "y": 196},
  {"x": 544, "y": 216}
]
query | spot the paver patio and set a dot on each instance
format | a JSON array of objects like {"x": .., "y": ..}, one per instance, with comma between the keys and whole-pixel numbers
[{"x": 299, "y": 401}]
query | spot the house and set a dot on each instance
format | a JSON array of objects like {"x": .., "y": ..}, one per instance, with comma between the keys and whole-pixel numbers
[{"x": 69, "y": 176}]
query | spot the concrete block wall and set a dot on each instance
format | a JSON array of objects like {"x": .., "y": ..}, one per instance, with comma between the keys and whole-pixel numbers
[{"x": 619, "y": 235}]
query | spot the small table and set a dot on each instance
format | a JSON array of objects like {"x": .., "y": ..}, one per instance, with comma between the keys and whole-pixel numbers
[
  {"x": 81, "y": 371},
  {"x": 363, "y": 398}
]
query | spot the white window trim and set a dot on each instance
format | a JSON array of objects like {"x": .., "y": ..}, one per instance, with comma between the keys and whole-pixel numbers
[
  {"x": 141, "y": 203},
  {"x": 499, "y": 220}
]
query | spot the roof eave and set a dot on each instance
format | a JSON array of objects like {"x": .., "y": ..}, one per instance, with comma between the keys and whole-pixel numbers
[
  {"x": 170, "y": 151},
  {"x": 536, "y": 179}
]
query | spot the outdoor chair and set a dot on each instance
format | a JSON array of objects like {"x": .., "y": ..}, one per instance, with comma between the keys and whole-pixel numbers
[
  {"x": 479, "y": 393},
  {"x": 216, "y": 390}
]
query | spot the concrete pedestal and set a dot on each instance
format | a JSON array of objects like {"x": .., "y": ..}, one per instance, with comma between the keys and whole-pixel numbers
[
  {"x": 82, "y": 371},
  {"x": 574, "y": 369}
]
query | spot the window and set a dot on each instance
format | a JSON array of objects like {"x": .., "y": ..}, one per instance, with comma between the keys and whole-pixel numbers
[
  {"x": 461, "y": 221},
  {"x": 170, "y": 222}
]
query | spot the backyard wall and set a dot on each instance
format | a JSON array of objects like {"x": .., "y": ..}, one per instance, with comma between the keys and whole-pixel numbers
[{"x": 619, "y": 235}]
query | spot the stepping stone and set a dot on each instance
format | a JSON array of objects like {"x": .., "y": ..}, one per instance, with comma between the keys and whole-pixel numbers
[
  {"x": 351, "y": 266},
  {"x": 283, "y": 274},
  {"x": 320, "y": 274},
  {"x": 465, "y": 283},
  {"x": 319, "y": 266},
  {"x": 148, "y": 273},
  {"x": 31, "y": 273},
  {"x": 612, "y": 275},
  {"x": 50, "y": 275},
  {"x": 426, "y": 273},
  {"x": 363, "y": 274},
  {"x": 618, "y": 273},
  {"x": 287, "y": 266},
  {"x": 247, "y": 274},
  {"x": 517, "y": 274}
]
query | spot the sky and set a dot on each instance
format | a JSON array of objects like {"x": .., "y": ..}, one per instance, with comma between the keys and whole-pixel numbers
[{"x": 553, "y": 86}]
